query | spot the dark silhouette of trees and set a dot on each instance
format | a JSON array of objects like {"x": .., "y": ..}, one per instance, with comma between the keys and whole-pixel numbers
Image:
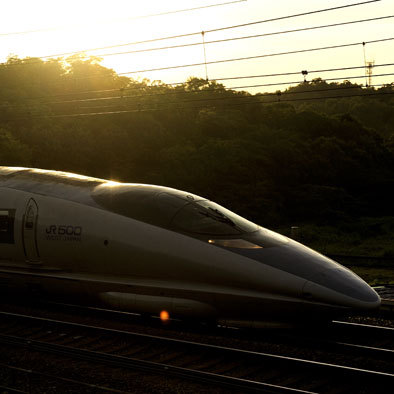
[{"x": 323, "y": 157}]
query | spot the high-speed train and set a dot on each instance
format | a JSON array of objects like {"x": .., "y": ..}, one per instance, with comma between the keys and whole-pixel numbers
[{"x": 152, "y": 249}]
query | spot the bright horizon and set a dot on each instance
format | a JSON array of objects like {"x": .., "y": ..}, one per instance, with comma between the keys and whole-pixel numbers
[{"x": 89, "y": 24}]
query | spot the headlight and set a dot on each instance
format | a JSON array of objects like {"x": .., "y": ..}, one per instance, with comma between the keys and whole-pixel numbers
[{"x": 234, "y": 243}]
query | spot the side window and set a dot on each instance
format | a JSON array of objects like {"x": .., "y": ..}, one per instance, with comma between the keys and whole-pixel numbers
[{"x": 7, "y": 217}]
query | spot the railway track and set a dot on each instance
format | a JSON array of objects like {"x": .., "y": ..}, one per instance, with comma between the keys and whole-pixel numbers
[
  {"x": 355, "y": 338},
  {"x": 237, "y": 369},
  {"x": 372, "y": 341},
  {"x": 31, "y": 377}
]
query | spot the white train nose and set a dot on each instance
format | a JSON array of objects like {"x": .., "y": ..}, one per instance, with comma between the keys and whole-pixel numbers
[{"x": 342, "y": 287}]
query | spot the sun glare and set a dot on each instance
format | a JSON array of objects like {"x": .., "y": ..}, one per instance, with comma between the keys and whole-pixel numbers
[
  {"x": 79, "y": 26},
  {"x": 82, "y": 26}
]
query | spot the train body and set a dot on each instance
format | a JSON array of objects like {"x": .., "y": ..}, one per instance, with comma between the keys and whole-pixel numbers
[{"x": 147, "y": 249}]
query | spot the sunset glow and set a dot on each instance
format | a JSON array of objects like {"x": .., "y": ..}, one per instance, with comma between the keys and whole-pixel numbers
[{"x": 44, "y": 28}]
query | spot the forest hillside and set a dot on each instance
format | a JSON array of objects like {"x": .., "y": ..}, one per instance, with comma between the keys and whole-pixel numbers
[{"x": 318, "y": 153}]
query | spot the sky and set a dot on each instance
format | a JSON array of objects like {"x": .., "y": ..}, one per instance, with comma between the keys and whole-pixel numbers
[{"x": 48, "y": 27}]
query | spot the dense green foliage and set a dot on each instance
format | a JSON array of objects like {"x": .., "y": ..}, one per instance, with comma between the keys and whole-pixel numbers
[{"x": 298, "y": 160}]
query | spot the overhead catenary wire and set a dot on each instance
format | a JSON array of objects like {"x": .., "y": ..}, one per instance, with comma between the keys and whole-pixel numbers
[
  {"x": 243, "y": 97},
  {"x": 279, "y": 94},
  {"x": 236, "y": 97},
  {"x": 126, "y": 19},
  {"x": 255, "y": 57},
  {"x": 238, "y": 59},
  {"x": 251, "y": 57},
  {"x": 299, "y": 72},
  {"x": 248, "y": 103},
  {"x": 300, "y": 82},
  {"x": 203, "y": 91},
  {"x": 204, "y": 42},
  {"x": 241, "y": 58},
  {"x": 205, "y": 32},
  {"x": 150, "y": 87}
]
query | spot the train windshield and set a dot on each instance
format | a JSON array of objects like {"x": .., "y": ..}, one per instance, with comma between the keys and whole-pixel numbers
[
  {"x": 171, "y": 209},
  {"x": 206, "y": 217}
]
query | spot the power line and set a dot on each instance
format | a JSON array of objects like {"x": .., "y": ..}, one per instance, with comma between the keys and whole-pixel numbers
[
  {"x": 279, "y": 94},
  {"x": 232, "y": 26},
  {"x": 124, "y": 19},
  {"x": 299, "y": 72},
  {"x": 299, "y": 82},
  {"x": 230, "y": 78},
  {"x": 239, "y": 97},
  {"x": 244, "y": 58},
  {"x": 325, "y": 97},
  {"x": 248, "y": 103},
  {"x": 239, "y": 38},
  {"x": 202, "y": 91},
  {"x": 254, "y": 57},
  {"x": 210, "y": 31},
  {"x": 122, "y": 90},
  {"x": 293, "y": 16},
  {"x": 236, "y": 97}
]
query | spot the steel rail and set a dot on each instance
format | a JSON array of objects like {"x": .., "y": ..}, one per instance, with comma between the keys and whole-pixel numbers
[
  {"x": 234, "y": 353},
  {"x": 300, "y": 338},
  {"x": 366, "y": 328},
  {"x": 30, "y": 373},
  {"x": 149, "y": 366},
  {"x": 198, "y": 344},
  {"x": 358, "y": 332},
  {"x": 373, "y": 352},
  {"x": 10, "y": 390}
]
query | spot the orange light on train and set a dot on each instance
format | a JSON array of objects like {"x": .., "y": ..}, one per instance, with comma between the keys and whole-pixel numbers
[{"x": 164, "y": 316}]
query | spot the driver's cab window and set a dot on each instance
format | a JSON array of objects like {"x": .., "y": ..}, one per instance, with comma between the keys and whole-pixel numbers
[{"x": 7, "y": 217}]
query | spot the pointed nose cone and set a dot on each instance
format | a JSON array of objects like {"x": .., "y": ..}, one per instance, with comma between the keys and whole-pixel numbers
[{"x": 342, "y": 287}]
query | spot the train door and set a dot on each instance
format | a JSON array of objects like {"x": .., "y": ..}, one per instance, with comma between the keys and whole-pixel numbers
[{"x": 30, "y": 232}]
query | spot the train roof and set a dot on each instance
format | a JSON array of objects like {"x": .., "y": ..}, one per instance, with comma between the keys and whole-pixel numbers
[
  {"x": 54, "y": 183},
  {"x": 22, "y": 175},
  {"x": 158, "y": 205},
  {"x": 129, "y": 199}
]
